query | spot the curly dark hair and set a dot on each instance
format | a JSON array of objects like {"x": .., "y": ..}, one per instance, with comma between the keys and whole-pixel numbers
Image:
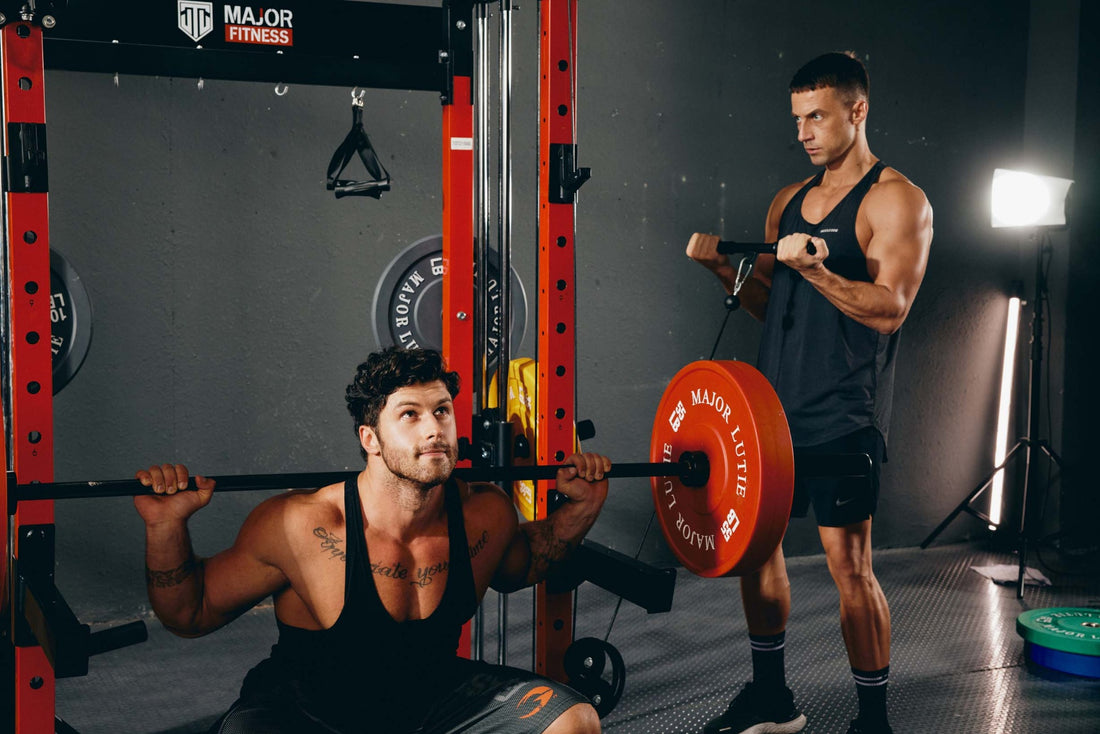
[
  {"x": 385, "y": 372},
  {"x": 842, "y": 71}
]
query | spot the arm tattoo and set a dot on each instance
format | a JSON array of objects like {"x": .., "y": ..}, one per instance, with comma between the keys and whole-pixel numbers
[
  {"x": 171, "y": 577},
  {"x": 480, "y": 544},
  {"x": 331, "y": 544},
  {"x": 546, "y": 549}
]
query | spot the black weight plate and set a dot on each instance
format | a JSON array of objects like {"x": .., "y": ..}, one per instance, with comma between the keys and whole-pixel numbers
[
  {"x": 408, "y": 300},
  {"x": 585, "y": 658},
  {"x": 70, "y": 321},
  {"x": 585, "y": 661},
  {"x": 601, "y": 694}
]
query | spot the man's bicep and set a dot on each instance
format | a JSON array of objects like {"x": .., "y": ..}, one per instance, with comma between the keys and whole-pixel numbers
[
  {"x": 234, "y": 582},
  {"x": 897, "y": 254},
  {"x": 247, "y": 572},
  {"x": 512, "y": 572}
]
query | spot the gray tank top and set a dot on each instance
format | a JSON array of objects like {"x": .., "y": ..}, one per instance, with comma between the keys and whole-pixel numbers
[{"x": 833, "y": 375}]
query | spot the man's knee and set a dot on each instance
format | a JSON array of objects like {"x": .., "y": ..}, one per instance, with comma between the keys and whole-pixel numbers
[
  {"x": 579, "y": 719},
  {"x": 770, "y": 579},
  {"x": 855, "y": 581},
  {"x": 848, "y": 554}
]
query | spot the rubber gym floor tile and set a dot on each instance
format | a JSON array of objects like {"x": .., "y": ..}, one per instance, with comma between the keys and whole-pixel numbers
[{"x": 957, "y": 663}]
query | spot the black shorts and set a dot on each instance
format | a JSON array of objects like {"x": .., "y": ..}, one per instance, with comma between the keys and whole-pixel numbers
[
  {"x": 840, "y": 501},
  {"x": 501, "y": 700},
  {"x": 481, "y": 699}
]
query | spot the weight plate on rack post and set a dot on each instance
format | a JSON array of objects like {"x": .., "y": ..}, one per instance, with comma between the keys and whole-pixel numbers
[
  {"x": 408, "y": 301},
  {"x": 70, "y": 321}
]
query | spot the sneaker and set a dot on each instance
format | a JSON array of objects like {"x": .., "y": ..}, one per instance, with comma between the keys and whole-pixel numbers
[
  {"x": 757, "y": 711},
  {"x": 859, "y": 727}
]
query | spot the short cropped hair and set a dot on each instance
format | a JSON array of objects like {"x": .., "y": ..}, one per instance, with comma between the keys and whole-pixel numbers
[
  {"x": 387, "y": 371},
  {"x": 841, "y": 71}
]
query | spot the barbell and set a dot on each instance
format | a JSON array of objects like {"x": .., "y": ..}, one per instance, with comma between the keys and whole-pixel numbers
[
  {"x": 692, "y": 469},
  {"x": 721, "y": 469}
]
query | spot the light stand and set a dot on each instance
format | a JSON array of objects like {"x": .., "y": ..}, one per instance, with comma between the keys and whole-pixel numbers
[
  {"x": 1030, "y": 442},
  {"x": 1027, "y": 444}
]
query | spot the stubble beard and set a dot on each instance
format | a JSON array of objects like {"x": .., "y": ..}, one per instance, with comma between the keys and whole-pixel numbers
[{"x": 408, "y": 470}]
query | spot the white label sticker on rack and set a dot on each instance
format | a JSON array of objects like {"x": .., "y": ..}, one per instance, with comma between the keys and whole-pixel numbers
[{"x": 462, "y": 143}]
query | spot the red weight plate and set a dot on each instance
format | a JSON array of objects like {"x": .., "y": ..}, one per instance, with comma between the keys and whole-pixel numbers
[{"x": 734, "y": 523}]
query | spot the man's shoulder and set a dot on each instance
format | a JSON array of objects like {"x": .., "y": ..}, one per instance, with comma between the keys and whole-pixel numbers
[
  {"x": 893, "y": 192},
  {"x": 286, "y": 526},
  {"x": 303, "y": 506},
  {"x": 488, "y": 501},
  {"x": 892, "y": 182},
  {"x": 898, "y": 208},
  {"x": 483, "y": 494}
]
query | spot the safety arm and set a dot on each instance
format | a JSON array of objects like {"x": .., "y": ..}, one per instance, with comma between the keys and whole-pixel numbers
[{"x": 44, "y": 618}]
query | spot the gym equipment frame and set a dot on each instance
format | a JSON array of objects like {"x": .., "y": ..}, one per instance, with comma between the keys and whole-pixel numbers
[{"x": 303, "y": 42}]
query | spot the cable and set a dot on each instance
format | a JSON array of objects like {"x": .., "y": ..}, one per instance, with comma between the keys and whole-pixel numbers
[
  {"x": 637, "y": 554},
  {"x": 732, "y": 302},
  {"x": 735, "y": 303}
]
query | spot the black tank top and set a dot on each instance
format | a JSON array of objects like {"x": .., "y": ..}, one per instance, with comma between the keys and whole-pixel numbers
[
  {"x": 833, "y": 374},
  {"x": 367, "y": 666}
]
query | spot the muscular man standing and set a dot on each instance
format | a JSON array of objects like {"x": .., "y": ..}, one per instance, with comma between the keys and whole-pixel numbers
[
  {"x": 831, "y": 329},
  {"x": 373, "y": 578}
]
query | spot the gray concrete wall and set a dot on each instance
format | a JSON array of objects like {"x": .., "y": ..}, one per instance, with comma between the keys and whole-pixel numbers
[
  {"x": 1080, "y": 500},
  {"x": 232, "y": 293}
]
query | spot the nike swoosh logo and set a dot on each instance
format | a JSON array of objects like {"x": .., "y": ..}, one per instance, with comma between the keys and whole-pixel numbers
[{"x": 841, "y": 503}]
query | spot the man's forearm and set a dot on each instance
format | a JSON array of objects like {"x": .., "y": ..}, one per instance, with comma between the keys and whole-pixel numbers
[
  {"x": 754, "y": 298},
  {"x": 753, "y": 293},
  {"x": 875, "y": 306},
  {"x": 554, "y": 539},
  {"x": 173, "y": 577}
]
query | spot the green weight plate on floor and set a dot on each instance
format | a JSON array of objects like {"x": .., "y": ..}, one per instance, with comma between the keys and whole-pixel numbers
[{"x": 1068, "y": 629}]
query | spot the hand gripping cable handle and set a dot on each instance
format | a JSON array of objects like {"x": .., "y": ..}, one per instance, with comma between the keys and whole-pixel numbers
[{"x": 729, "y": 247}]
